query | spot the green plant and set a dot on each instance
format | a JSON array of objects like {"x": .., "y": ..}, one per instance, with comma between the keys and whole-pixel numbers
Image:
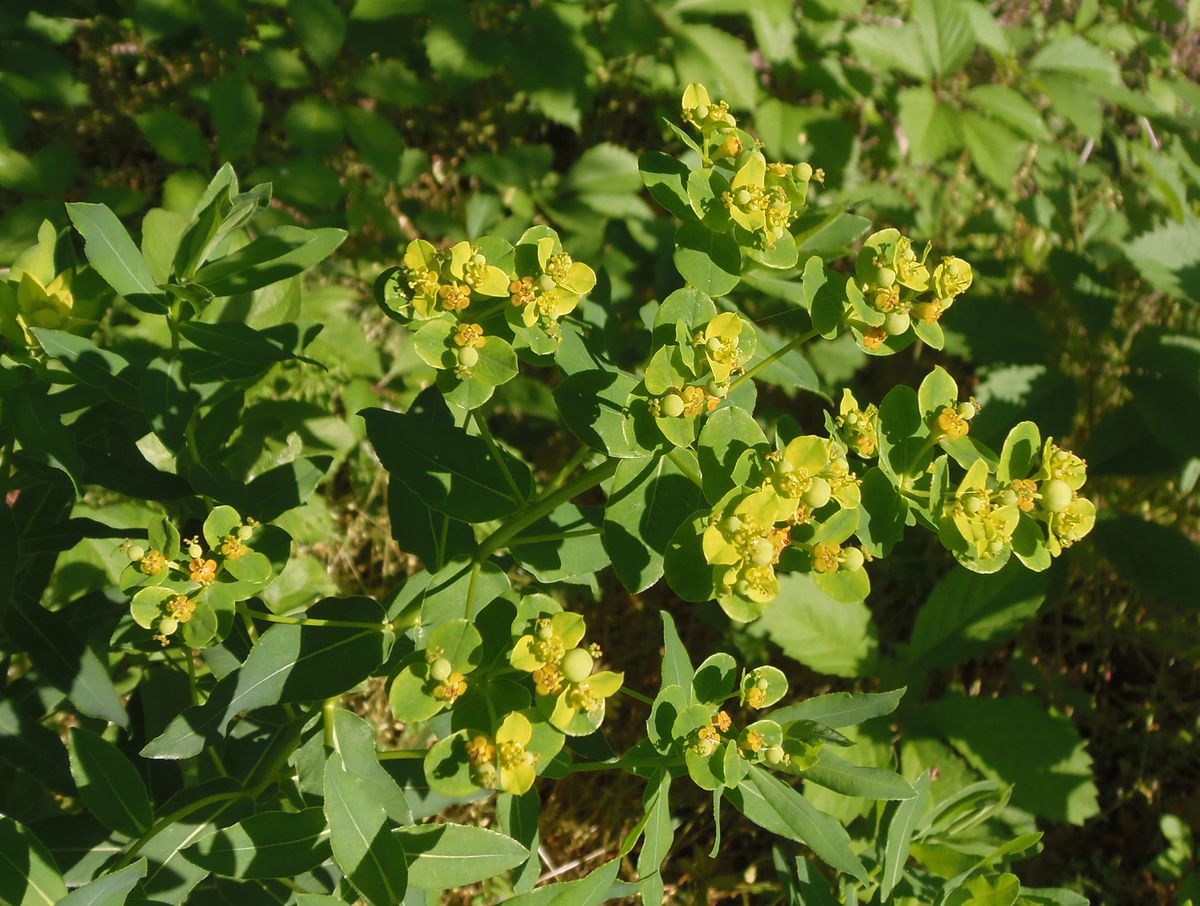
[{"x": 278, "y": 786}]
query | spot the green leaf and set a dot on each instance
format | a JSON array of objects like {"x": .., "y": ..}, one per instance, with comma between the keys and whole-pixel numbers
[
  {"x": 111, "y": 889},
  {"x": 967, "y": 613},
  {"x": 677, "y": 667},
  {"x": 648, "y": 500},
  {"x": 665, "y": 178},
  {"x": 31, "y": 416},
  {"x": 900, "y": 835},
  {"x": 707, "y": 54},
  {"x": 835, "y": 773},
  {"x": 177, "y": 140},
  {"x": 727, "y": 434},
  {"x": 932, "y": 127},
  {"x": 109, "y": 784},
  {"x": 451, "y": 470},
  {"x": 114, "y": 256},
  {"x": 1016, "y": 740},
  {"x": 281, "y": 253},
  {"x": 1010, "y": 107},
  {"x": 711, "y": 262},
  {"x": 778, "y": 808},
  {"x": 354, "y": 740},
  {"x": 1161, "y": 561},
  {"x": 28, "y": 875},
  {"x": 595, "y": 405},
  {"x": 1076, "y": 56},
  {"x": 289, "y": 663},
  {"x": 567, "y": 544},
  {"x": 841, "y": 709},
  {"x": 432, "y": 536},
  {"x": 268, "y": 845},
  {"x": 995, "y": 150},
  {"x": 945, "y": 33},
  {"x": 819, "y": 632},
  {"x": 659, "y": 832},
  {"x": 236, "y": 114},
  {"x": 445, "y": 856},
  {"x": 321, "y": 28},
  {"x": 591, "y": 890},
  {"x": 363, "y": 846},
  {"x": 1169, "y": 257}
]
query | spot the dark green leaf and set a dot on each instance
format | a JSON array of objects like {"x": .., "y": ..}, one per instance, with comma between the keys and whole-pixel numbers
[
  {"x": 109, "y": 784},
  {"x": 363, "y": 845},
  {"x": 269, "y": 845}
]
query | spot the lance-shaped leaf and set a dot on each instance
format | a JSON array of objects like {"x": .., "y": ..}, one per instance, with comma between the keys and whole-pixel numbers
[
  {"x": 115, "y": 257},
  {"x": 363, "y": 845},
  {"x": 444, "y": 856},
  {"x": 109, "y": 784},
  {"x": 270, "y": 845}
]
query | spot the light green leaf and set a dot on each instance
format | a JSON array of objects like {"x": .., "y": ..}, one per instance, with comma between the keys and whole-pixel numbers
[
  {"x": 363, "y": 846},
  {"x": 711, "y": 262},
  {"x": 819, "y": 632},
  {"x": 445, "y": 856},
  {"x": 932, "y": 127},
  {"x": 841, "y": 709},
  {"x": 900, "y": 834},
  {"x": 114, "y": 256},
  {"x": 108, "y": 890},
  {"x": 268, "y": 845},
  {"x": 835, "y": 773}
]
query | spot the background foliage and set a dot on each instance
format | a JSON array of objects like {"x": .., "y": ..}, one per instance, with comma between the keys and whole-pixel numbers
[{"x": 1054, "y": 146}]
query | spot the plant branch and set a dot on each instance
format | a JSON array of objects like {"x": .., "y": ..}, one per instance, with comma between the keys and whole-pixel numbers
[{"x": 773, "y": 357}]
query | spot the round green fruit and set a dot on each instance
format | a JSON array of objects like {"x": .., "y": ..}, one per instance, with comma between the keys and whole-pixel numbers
[{"x": 577, "y": 665}]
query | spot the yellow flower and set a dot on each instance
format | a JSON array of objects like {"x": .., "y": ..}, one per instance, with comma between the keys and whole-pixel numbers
[
  {"x": 455, "y": 296},
  {"x": 420, "y": 268},
  {"x": 825, "y": 557},
  {"x": 203, "y": 572},
  {"x": 522, "y": 292},
  {"x": 858, "y": 426},
  {"x": 469, "y": 335},
  {"x": 152, "y": 563},
  {"x": 986, "y": 523},
  {"x": 952, "y": 278},
  {"x": 451, "y": 689},
  {"x": 950, "y": 423},
  {"x": 720, "y": 343},
  {"x": 470, "y": 266},
  {"x": 180, "y": 608},
  {"x": 517, "y": 765},
  {"x": 700, "y": 110},
  {"x": 44, "y": 306},
  {"x": 233, "y": 548},
  {"x": 873, "y": 338}
]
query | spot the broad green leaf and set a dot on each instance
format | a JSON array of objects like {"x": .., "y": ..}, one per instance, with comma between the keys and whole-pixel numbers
[
  {"x": 268, "y": 845},
  {"x": 567, "y": 544},
  {"x": 707, "y": 54},
  {"x": 1015, "y": 740},
  {"x": 591, "y": 890},
  {"x": 1079, "y": 58},
  {"x": 109, "y": 784},
  {"x": 114, "y": 256},
  {"x": 176, "y": 139},
  {"x": 827, "y": 635},
  {"x": 236, "y": 113},
  {"x": 900, "y": 835},
  {"x": 595, "y": 404},
  {"x": 451, "y": 470},
  {"x": 666, "y": 180},
  {"x": 946, "y": 36},
  {"x": 966, "y": 613},
  {"x": 648, "y": 500},
  {"x": 932, "y": 128},
  {"x": 281, "y": 253},
  {"x": 363, "y": 845},
  {"x": 354, "y": 740},
  {"x": 321, "y": 28},
  {"x": 841, "y": 709},
  {"x": 445, "y": 856},
  {"x": 711, "y": 262},
  {"x": 1162, "y": 561},
  {"x": 28, "y": 875},
  {"x": 835, "y": 773},
  {"x": 995, "y": 150},
  {"x": 727, "y": 434},
  {"x": 1009, "y": 106},
  {"x": 777, "y": 807},
  {"x": 108, "y": 890}
]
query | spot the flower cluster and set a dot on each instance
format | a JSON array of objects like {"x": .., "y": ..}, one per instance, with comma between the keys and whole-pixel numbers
[
  {"x": 36, "y": 293},
  {"x": 181, "y": 585},
  {"x": 895, "y": 296},
  {"x": 806, "y": 497},
  {"x": 564, "y": 695}
]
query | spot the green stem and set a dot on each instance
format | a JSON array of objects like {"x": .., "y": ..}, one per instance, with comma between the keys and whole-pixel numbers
[
  {"x": 581, "y": 456},
  {"x": 309, "y": 621},
  {"x": 515, "y": 524},
  {"x": 401, "y": 753},
  {"x": 328, "y": 707},
  {"x": 555, "y": 536},
  {"x": 486, "y": 433},
  {"x": 684, "y": 465},
  {"x": 191, "y": 670},
  {"x": 471, "y": 587},
  {"x": 773, "y": 357},
  {"x": 178, "y": 815},
  {"x": 173, "y": 325},
  {"x": 581, "y": 767},
  {"x": 625, "y": 690},
  {"x": 930, "y": 443}
]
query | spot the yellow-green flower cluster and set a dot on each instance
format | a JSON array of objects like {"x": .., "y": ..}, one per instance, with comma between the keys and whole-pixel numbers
[
  {"x": 859, "y": 427},
  {"x": 751, "y": 528},
  {"x": 568, "y": 685},
  {"x": 896, "y": 290}
]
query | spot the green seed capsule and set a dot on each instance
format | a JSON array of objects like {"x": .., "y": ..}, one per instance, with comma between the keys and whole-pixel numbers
[
  {"x": 775, "y": 755},
  {"x": 701, "y": 112},
  {"x": 763, "y": 553},
  {"x": 468, "y": 356},
  {"x": 731, "y": 524},
  {"x": 818, "y": 493},
  {"x": 714, "y": 344},
  {"x": 545, "y": 283},
  {"x": 853, "y": 559},
  {"x": 742, "y": 587},
  {"x": 884, "y": 277},
  {"x": 478, "y": 260},
  {"x": 972, "y": 505},
  {"x": 671, "y": 405},
  {"x": 1056, "y": 495},
  {"x": 742, "y": 197},
  {"x": 440, "y": 669},
  {"x": 168, "y": 625},
  {"x": 577, "y": 665},
  {"x": 897, "y": 323},
  {"x": 136, "y": 552},
  {"x": 803, "y": 172},
  {"x": 1008, "y": 497},
  {"x": 244, "y": 532},
  {"x": 966, "y": 411},
  {"x": 194, "y": 550},
  {"x": 995, "y": 547},
  {"x": 717, "y": 389}
]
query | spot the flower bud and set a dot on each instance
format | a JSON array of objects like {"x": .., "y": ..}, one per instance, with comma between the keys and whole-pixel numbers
[
  {"x": 818, "y": 493},
  {"x": 897, "y": 323},
  {"x": 967, "y": 411},
  {"x": 701, "y": 111},
  {"x": 884, "y": 277},
  {"x": 577, "y": 665},
  {"x": 775, "y": 755},
  {"x": 853, "y": 559},
  {"x": 1056, "y": 495}
]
